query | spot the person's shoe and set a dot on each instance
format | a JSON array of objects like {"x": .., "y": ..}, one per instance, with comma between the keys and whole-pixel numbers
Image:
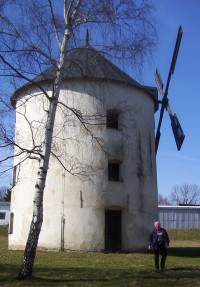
[{"x": 163, "y": 268}]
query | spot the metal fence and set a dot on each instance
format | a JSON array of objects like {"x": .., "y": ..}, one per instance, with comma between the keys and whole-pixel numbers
[{"x": 179, "y": 216}]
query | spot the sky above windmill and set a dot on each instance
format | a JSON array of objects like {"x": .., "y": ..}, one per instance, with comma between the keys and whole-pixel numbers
[{"x": 173, "y": 166}]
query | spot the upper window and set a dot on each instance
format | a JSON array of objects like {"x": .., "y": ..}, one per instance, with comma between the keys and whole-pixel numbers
[
  {"x": 113, "y": 171},
  {"x": 112, "y": 119}
]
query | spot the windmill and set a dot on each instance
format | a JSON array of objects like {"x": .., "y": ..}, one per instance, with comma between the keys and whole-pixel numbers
[{"x": 176, "y": 127}]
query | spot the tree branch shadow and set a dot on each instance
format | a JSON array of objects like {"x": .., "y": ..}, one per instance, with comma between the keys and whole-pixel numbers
[{"x": 192, "y": 252}]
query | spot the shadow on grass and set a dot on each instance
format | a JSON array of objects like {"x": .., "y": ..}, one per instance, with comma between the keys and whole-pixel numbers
[
  {"x": 182, "y": 276},
  {"x": 192, "y": 252},
  {"x": 75, "y": 277},
  {"x": 69, "y": 277}
]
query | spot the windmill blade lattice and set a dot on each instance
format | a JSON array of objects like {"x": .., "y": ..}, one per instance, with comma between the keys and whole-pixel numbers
[{"x": 176, "y": 127}]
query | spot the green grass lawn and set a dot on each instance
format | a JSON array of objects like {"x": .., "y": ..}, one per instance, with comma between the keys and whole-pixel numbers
[{"x": 107, "y": 269}]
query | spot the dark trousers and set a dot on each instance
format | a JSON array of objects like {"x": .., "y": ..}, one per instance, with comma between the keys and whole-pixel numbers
[{"x": 160, "y": 250}]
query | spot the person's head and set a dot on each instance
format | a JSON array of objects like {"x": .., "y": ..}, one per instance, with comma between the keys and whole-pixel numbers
[{"x": 157, "y": 224}]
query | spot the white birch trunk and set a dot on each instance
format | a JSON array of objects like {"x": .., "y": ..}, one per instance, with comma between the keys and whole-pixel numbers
[
  {"x": 37, "y": 219},
  {"x": 26, "y": 269}
]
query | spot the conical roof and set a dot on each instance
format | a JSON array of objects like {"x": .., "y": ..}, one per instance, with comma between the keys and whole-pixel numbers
[{"x": 86, "y": 62}]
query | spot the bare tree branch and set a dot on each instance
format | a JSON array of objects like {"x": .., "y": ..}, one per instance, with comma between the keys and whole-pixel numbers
[
  {"x": 54, "y": 22},
  {"x": 185, "y": 194},
  {"x": 37, "y": 38}
]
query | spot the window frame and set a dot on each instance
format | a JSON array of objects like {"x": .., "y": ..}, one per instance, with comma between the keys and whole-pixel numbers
[
  {"x": 114, "y": 171},
  {"x": 112, "y": 119}
]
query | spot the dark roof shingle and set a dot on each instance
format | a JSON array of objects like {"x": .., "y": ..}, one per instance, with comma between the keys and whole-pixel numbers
[{"x": 86, "y": 62}]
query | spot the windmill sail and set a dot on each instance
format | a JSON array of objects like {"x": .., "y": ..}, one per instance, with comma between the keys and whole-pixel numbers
[
  {"x": 177, "y": 131},
  {"x": 176, "y": 127}
]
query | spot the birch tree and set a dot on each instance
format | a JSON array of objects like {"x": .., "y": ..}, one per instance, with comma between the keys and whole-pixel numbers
[{"x": 40, "y": 35}]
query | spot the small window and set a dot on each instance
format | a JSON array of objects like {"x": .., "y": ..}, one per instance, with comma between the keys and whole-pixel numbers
[
  {"x": 113, "y": 171},
  {"x": 112, "y": 119},
  {"x": 2, "y": 215}
]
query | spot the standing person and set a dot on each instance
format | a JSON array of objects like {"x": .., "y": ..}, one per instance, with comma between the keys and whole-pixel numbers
[{"x": 159, "y": 240}]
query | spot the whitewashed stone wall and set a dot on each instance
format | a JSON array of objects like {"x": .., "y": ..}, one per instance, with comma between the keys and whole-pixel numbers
[{"x": 75, "y": 206}]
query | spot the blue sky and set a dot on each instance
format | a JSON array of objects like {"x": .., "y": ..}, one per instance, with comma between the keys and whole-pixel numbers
[{"x": 173, "y": 166}]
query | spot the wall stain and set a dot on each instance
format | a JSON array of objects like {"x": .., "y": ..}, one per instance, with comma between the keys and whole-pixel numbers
[
  {"x": 141, "y": 176},
  {"x": 150, "y": 157}
]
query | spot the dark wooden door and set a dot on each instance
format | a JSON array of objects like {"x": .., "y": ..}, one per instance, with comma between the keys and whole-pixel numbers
[{"x": 113, "y": 230}]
